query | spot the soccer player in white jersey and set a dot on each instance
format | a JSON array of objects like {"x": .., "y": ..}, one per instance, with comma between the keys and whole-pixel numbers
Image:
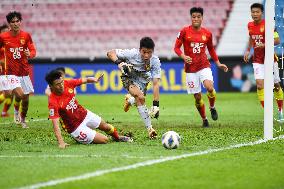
[{"x": 139, "y": 67}]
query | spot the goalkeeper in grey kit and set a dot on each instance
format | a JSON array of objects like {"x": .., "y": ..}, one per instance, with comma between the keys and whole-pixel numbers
[{"x": 139, "y": 67}]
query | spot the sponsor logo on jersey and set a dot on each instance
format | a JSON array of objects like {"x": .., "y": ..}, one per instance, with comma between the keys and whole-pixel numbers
[
  {"x": 72, "y": 105},
  {"x": 16, "y": 52}
]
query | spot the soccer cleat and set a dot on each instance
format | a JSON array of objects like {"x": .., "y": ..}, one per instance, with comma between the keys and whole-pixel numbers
[
  {"x": 127, "y": 105},
  {"x": 17, "y": 118},
  {"x": 5, "y": 114},
  {"x": 205, "y": 123},
  {"x": 24, "y": 125},
  {"x": 125, "y": 139},
  {"x": 214, "y": 114},
  {"x": 152, "y": 133}
]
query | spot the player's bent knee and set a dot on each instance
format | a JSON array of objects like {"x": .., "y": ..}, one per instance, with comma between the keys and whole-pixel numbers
[
  {"x": 141, "y": 99},
  {"x": 100, "y": 139}
]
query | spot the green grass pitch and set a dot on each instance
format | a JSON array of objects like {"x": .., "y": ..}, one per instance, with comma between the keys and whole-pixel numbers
[{"x": 31, "y": 156}]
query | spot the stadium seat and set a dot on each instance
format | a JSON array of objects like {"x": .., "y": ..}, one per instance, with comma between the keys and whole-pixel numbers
[{"x": 78, "y": 25}]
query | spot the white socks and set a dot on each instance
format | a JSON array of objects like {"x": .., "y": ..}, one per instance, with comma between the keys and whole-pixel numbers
[{"x": 143, "y": 111}]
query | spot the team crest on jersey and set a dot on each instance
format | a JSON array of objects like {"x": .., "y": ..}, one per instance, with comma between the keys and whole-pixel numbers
[
  {"x": 70, "y": 90},
  {"x": 203, "y": 37},
  {"x": 22, "y": 41},
  {"x": 261, "y": 29}
]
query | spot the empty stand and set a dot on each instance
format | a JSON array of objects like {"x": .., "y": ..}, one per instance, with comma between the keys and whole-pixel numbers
[{"x": 85, "y": 28}]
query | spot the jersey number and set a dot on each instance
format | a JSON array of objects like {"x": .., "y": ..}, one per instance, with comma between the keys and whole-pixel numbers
[
  {"x": 16, "y": 52},
  {"x": 197, "y": 47}
]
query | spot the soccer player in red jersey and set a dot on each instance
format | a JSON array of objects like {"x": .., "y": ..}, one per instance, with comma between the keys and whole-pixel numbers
[
  {"x": 19, "y": 47},
  {"x": 78, "y": 121},
  {"x": 256, "y": 30},
  {"x": 195, "y": 39},
  {"x": 6, "y": 96}
]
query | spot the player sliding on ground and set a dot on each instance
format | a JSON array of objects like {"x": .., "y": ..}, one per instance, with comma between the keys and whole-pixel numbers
[
  {"x": 256, "y": 30},
  {"x": 138, "y": 67},
  {"x": 195, "y": 39},
  {"x": 78, "y": 121}
]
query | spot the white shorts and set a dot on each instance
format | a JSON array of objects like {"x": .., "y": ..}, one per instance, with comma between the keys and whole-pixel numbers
[
  {"x": 4, "y": 83},
  {"x": 194, "y": 80},
  {"x": 23, "y": 82},
  {"x": 84, "y": 133},
  {"x": 259, "y": 71}
]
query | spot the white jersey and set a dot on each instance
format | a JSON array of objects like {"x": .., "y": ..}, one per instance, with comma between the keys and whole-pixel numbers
[{"x": 133, "y": 57}]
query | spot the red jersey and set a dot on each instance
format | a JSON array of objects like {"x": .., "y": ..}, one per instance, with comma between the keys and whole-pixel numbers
[
  {"x": 67, "y": 107},
  {"x": 16, "y": 61},
  {"x": 2, "y": 59},
  {"x": 257, "y": 35},
  {"x": 194, "y": 43}
]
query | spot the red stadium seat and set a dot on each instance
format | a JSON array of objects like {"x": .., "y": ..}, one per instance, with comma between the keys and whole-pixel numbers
[{"x": 79, "y": 26}]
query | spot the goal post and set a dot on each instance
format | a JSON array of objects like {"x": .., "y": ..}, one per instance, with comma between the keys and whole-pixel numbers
[{"x": 268, "y": 69}]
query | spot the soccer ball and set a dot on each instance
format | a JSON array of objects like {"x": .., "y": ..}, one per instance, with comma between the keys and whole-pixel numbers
[{"x": 171, "y": 140}]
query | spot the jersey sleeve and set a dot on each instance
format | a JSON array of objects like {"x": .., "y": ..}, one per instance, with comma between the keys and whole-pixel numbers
[
  {"x": 31, "y": 47},
  {"x": 125, "y": 54},
  {"x": 1, "y": 41},
  {"x": 53, "y": 110},
  {"x": 74, "y": 82},
  {"x": 156, "y": 69},
  {"x": 211, "y": 49},
  {"x": 179, "y": 42}
]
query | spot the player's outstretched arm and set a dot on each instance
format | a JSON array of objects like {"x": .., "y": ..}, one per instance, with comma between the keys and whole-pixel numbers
[
  {"x": 92, "y": 79},
  {"x": 57, "y": 132}
]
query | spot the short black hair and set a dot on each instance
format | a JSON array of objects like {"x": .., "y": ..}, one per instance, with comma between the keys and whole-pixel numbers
[
  {"x": 62, "y": 69},
  {"x": 147, "y": 42},
  {"x": 3, "y": 27},
  {"x": 257, "y": 5},
  {"x": 12, "y": 15},
  {"x": 52, "y": 76},
  {"x": 196, "y": 9}
]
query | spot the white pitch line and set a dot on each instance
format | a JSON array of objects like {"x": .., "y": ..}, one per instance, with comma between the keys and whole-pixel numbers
[
  {"x": 141, "y": 164},
  {"x": 32, "y": 120}
]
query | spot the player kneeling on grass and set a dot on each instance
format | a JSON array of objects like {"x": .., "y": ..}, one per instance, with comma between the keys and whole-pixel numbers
[
  {"x": 78, "y": 121},
  {"x": 138, "y": 67}
]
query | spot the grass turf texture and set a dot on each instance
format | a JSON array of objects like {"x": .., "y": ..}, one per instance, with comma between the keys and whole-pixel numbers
[{"x": 240, "y": 121}]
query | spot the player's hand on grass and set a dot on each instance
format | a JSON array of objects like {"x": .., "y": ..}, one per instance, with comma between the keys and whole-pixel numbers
[
  {"x": 125, "y": 68},
  {"x": 63, "y": 145},
  {"x": 187, "y": 59},
  {"x": 246, "y": 56}
]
